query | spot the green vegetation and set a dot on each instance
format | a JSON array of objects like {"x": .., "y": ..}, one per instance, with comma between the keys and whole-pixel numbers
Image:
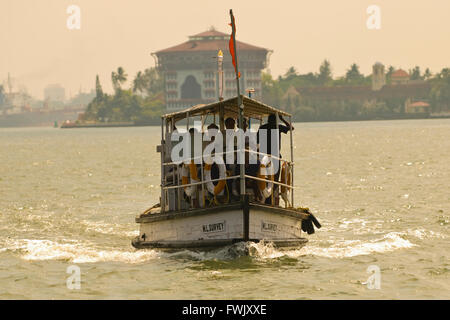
[
  {"x": 440, "y": 91},
  {"x": 278, "y": 92},
  {"x": 142, "y": 104}
]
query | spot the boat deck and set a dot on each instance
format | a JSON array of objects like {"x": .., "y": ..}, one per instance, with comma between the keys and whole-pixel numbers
[{"x": 154, "y": 214}]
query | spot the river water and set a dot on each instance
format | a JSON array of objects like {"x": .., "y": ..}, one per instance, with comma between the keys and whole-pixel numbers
[{"x": 381, "y": 190}]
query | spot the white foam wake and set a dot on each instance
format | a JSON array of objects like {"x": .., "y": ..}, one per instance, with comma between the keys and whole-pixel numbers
[
  {"x": 337, "y": 248},
  {"x": 76, "y": 252},
  {"x": 83, "y": 252}
]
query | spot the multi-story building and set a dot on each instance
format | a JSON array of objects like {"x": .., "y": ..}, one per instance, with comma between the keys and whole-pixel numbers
[{"x": 190, "y": 69}]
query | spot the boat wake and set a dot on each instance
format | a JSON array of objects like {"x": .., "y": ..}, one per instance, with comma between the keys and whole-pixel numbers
[
  {"x": 86, "y": 252},
  {"x": 350, "y": 248},
  {"x": 76, "y": 252}
]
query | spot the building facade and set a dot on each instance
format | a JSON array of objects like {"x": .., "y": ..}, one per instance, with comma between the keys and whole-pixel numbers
[{"x": 190, "y": 69}]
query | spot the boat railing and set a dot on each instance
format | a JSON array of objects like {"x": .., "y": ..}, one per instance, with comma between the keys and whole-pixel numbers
[
  {"x": 202, "y": 157},
  {"x": 177, "y": 185}
]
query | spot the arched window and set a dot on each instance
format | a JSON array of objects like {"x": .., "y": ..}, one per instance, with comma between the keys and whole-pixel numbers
[{"x": 190, "y": 89}]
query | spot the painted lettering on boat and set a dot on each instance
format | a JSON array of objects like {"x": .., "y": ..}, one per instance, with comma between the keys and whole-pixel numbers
[
  {"x": 268, "y": 226},
  {"x": 214, "y": 227}
]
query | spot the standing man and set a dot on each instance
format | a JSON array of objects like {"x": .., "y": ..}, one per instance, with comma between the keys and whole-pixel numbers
[{"x": 273, "y": 148}]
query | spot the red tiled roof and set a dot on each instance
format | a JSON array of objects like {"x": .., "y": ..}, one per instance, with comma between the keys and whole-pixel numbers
[
  {"x": 419, "y": 104},
  {"x": 210, "y": 33},
  {"x": 196, "y": 45},
  {"x": 400, "y": 74}
]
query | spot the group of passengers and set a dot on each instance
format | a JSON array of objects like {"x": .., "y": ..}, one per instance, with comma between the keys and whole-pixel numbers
[{"x": 252, "y": 168}]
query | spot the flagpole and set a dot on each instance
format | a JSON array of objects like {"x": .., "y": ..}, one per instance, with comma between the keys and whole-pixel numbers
[{"x": 240, "y": 108}]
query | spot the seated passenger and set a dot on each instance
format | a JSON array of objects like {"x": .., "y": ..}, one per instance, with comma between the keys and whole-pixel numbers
[
  {"x": 251, "y": 169},
  {"x": 229, "y": 123}
]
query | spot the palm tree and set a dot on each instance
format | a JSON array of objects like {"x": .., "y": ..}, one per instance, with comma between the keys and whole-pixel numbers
[
  {"x": 415, "y": 73},
  {"x": 114, "y": 81},
  {"x": 153, "y": 81},
  {"x": 118, "y": 78},
  {"x": 139, "y": 82}
]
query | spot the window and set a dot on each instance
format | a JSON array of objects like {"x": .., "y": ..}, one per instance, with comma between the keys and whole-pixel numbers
[
  {"x": 209, "y": 75},
  {"x": 171, "y": 86},
  {"x": 210, "y": 94},
  {"x": 209, "y": 84},
  {"x": 171, "y": 96},
  {"x": 171, "y": 76}
]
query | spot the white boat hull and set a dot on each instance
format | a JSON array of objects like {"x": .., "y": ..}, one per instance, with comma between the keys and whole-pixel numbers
[{"x": 220, "y": 226}]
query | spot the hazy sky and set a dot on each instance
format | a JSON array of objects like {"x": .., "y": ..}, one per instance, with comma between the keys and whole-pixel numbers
[{"x": 38, "y": 49}]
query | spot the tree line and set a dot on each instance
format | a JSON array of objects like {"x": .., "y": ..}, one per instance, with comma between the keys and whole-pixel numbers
[
  {"x": 144, "y": 101},
  {"x": 275, "y": 92}
]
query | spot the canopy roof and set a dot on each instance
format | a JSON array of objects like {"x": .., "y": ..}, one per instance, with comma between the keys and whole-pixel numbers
[{"x": 252, "y": 109}]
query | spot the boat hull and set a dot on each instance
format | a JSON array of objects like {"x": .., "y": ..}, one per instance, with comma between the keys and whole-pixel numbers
[{"x": 221, "y": 226}]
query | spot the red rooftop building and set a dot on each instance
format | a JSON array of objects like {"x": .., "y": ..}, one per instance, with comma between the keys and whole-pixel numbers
[
  {"x": 190, "y": 69},
  {"x": 399, "y": 77}
]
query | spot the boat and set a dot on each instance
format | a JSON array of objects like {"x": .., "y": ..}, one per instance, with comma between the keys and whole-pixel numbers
[{"x": 200, "y": 212}]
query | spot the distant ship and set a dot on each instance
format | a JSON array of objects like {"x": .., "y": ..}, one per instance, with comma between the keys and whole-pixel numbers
[{"x": 38, "y": 118}]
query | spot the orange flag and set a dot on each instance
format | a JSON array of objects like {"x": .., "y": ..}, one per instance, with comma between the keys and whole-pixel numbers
[{"x": 231, "y": 45}]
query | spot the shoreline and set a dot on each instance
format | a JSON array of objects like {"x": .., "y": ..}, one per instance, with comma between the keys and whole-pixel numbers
[{"x": 131, "y": 124}]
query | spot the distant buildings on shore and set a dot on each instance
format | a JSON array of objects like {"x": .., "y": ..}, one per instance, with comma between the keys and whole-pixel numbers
[
  {"x": 18, "y": 108},
  {"x": 411, "y": 94}
]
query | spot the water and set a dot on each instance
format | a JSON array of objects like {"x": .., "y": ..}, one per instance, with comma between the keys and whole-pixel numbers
[{"x": 380, "y": 189}]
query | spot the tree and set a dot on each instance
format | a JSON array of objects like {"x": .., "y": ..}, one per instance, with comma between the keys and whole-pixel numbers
[
  {"x": 427, "y": 75},
  {"x": 139, "y": 82},
  {"x": 391, "y": 70},
  {"x": 324, "y": 76},
  {"x": 290, "y": 73},
  {"x": 440, "y": 91},
  {"x": 353, "y": 75},
  {"x": 445, "y": 73},
  {"x": 154, "y": 83},
  {"x": 126, "y": 105},
  {"x": 415, "y": 73},
  {"x": 118, "y": 78},
  {"x": 271, "y": 91},
  {"x": 98, "y": 89}
]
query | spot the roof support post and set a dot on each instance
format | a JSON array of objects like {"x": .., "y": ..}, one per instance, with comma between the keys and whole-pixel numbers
[
  {"x": 277, "y": 123},
  {"x": 292, "y": 162},
  {"x": 163, "y": 198}
]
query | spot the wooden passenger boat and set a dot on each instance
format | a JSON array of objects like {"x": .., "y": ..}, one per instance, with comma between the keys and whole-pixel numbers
[{"x": 191, "y": 216}]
